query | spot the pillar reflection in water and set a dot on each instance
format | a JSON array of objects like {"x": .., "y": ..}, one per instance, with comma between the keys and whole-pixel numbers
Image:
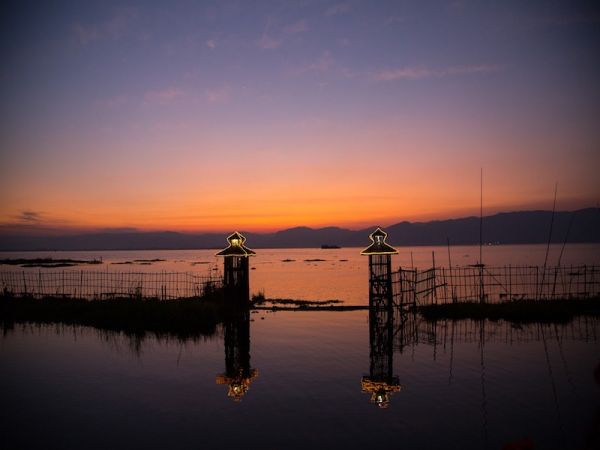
[
  {"x": 380, "y": 382},
  {"x": 238, "y": 373}
]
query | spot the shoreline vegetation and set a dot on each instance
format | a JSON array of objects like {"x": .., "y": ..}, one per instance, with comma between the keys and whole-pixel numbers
[
  {"x": 135, "y": 316},
  {"x": 202, "y": 316},
  {"x": 518, "y": 311}
]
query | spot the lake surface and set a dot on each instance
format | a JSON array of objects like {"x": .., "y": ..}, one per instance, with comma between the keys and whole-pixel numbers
[
  {"x": 306, "y": 379},
  {"x": 316, "y": 274},
  {"x": 468, "y": 385}
]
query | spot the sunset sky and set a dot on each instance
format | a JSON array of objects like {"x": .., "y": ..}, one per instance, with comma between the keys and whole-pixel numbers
[{"x": 213, "y": 116}]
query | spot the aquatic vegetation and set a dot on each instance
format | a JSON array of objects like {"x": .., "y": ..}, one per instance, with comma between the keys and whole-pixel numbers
[
  {"x": 260, "y": 302},
  {"x": 141, "y": 262},
  {"x": 47, "y": 262}
]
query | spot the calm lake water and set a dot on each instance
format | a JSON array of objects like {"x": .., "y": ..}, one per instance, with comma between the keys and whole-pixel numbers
[
  {"x": 467, "y": 385},
  {"x": 306, "y": 375},
  {"x": 315, "y": 274}
]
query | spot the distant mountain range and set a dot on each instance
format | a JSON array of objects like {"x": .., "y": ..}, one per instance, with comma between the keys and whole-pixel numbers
[{"x": 525, "y": 227}]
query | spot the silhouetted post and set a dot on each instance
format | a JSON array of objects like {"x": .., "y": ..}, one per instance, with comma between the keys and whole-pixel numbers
[
  {"x": 380, "y": 382},
  {"x": 236, "y": 278},
  {"x": 238, "y": 374},
  {"x": 380, "y": 269}
]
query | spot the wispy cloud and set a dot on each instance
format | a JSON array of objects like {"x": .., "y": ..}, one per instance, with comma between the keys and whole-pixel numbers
[
  {"x": 339, "y": 8},
  {"x": 267, "y": 42},
  {"x": 343, "y": 42},
  {"x": 394, "y": 20},
  {"x": 112, "y": 29},
  {"x": 457, "y": 4},
  {"x": 324, "y": 63},
  {"x": 86, "y": 33},
  {"x": 417, "y": 73},
  {"x": 211, "y": 43},
  {"x": 29, "y": 221},
  {"x": 476, "y": 68},
  {"x": 274, "y": 36},
  {"x": 28, "y": 217},
  {"x": 297, "y": 27},
  {"x": 113, "y": 102},
  {"x": 163, "y": 96},
  {"x": 218, "y": 95}
]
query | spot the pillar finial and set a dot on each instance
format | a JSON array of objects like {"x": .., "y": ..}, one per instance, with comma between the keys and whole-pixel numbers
[
  {"x": 236, "y": 246},
  {"x": 378, "y": 245}
]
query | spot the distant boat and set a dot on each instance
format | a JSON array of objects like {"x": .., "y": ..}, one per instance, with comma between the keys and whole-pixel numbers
[{"x": 327, "y": 247}]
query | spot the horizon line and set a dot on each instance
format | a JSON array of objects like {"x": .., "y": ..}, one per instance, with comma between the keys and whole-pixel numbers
[{"x": 34, "y": 229}]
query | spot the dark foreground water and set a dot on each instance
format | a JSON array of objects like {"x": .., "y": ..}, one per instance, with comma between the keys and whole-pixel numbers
[{"x": 462, "y": 385}]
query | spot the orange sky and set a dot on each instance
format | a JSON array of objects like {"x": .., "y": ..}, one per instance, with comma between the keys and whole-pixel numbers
[
  {"x": 238, "y": 117},
  {"x": 332, "y": 179}
]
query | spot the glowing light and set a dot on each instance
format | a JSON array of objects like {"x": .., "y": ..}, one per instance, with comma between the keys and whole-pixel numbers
[
  {"x": 236, "y": 246},
  {"x": 381, "y": 391},
  {"x": 238, "y": 384},
  {"x": 379, "y": 246}
]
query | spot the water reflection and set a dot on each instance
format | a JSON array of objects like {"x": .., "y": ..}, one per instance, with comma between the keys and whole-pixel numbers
[
  {"x": 238, "y": 374},
  {"x": 381, "y": 382},
  {"x": 527, "y": 384}
]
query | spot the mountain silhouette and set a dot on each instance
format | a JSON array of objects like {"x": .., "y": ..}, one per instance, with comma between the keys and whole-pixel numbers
[{"x": 524, "y": 227}]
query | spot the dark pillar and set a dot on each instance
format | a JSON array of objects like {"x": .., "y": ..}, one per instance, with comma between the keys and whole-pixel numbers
[
  {"x": 236, "y": 278},
  {"x": 380, "y": 280}
]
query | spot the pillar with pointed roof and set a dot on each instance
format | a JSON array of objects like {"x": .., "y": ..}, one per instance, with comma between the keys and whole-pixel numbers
[
  {"x": 236, "y": 279},
  {"x": 380, "y": 269}
]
